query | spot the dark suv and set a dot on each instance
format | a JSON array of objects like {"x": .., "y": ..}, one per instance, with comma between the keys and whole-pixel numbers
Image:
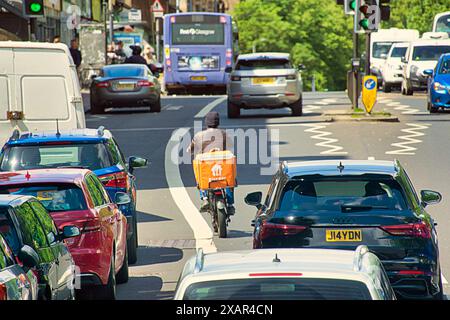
[
  {"x": 26, "y": 224},
  {"x": 341, "y": 205}
]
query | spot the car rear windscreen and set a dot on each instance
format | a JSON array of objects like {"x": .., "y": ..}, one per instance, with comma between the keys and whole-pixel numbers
[
  {"x": 278, "y": 289},
  {"x": 54, "y": 197},
  {"x": 342, "y": 194},
  {"x": 429, "y": 53},
  {"x": 123, "y": 72},
  {"x": 92, "y": 156},
  {"x": 263, "y": 64}
]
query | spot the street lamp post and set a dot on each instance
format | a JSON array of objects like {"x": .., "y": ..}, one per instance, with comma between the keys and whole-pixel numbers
[{"x": 111, "y": 21}]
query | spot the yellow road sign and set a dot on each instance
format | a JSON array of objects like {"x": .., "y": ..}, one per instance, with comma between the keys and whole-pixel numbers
[{"x": 369, "y": 92}]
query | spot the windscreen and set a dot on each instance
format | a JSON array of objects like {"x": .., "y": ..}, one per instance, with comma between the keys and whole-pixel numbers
[
  {"x": 443, "y": 24},
  {"x": 380, "y": 48},
  {"x": 398, "y": 52},
  {"x": 278, "y": 289},
  {"x": 263, "y": 64},
  {"x": 342, "y": 194},
  {"x": 8, "y": 231},
  {"x": 445, "y": 66},
  {"x": 429, "y": 53},
  {"x": 123, "y": 72},
  {"x": 54, "y": 197},
  {"x": 91, "y": 156},
  {"x": 198, "y": 30}
]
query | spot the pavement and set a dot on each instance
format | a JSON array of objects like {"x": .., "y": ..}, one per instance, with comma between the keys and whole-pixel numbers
[{"x": 170, "y": 226}]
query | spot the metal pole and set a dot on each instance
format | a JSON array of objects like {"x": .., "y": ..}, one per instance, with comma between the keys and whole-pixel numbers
[
  {"x": 111, "y": 21},
  {"x": 178, "y": 6},
  {"x": 313, "y": 83},
  {"x": 158, "y": 36},
  {"x": 355, "y": 71},
  {"x": 368, "y": 54},
  {"x": 105, "y": 14},
  {"x": 29, "y": 29}
]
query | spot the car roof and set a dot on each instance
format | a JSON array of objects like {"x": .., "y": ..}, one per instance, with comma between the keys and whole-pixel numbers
[
  {"x": 34, "y": 45},
  {"x": 9, "y": 199},
  {"x": 263, "y": 55},
  {"x": 349, "y": 167},
  {"x": 56, "y": 175},
  {"x": 74, "y": 135},
  {"x": 327, "y": 263},
  {"x": 125, "y": 66},
  {"x": 430, "y": 42}
]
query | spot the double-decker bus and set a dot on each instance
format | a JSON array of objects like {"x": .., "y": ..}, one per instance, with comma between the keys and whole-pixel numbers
[
  {"x": 199, "y": 51},
  {"x": 442, "y": 22}
]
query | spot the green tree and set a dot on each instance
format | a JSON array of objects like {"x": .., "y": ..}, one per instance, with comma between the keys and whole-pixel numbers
[{"x": 316, "y": 33}]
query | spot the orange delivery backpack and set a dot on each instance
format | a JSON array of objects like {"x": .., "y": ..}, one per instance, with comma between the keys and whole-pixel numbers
[{"x": 215, "y": 170}]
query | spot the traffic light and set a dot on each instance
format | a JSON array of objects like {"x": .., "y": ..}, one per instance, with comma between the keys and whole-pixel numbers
[
  {"x": 33, "y": 8},
  {"x": 385, "y": 10},
  {"x": 349, "y": 6},
  {"x": 367, "y": 16}
]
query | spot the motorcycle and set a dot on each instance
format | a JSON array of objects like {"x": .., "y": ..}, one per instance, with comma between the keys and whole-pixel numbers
[{"x": 218, "y": 211}]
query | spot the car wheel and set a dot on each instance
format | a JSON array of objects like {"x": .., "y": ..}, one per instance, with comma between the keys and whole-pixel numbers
[
  {"x": 297, "y": 108},
  {"x": 233, "y": 110},
  {"x": 431, "y": 108},
  {"x": 123, "y": 274},
  {"x": 95, "y": 108},
  {"x": 132, "y": 246},
  {"x": 108, "y": 291},
  {"x": 387, "y": 87},
  {"x": 440, "y": 295},
  {"x": 157, "y": 106}
]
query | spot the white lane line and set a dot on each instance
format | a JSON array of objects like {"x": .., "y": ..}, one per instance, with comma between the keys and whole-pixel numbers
[
  {"x": 371, "y": 158},
  {"x": 174, "y": 108},
  {"x": 384, "y": 100},
  {"x": 413, "y": 132},
  {"x": 209, "y": 107},
  {"x": 444, "y": 281},
  {"x": 202, "y": 232},
  {"x": 326, "y": 141}
]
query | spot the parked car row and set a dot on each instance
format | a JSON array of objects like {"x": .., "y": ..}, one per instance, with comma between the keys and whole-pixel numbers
[
  {"x": 335, "y": 230},
  {"x": 57, "y": 216}
]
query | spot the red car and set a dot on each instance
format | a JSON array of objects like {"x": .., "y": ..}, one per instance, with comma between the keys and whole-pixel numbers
[{"x": 77, "y": 197}]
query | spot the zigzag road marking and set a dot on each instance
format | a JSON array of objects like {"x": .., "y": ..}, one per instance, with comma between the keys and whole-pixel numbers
[
  {"x": 310, "y": 108},
  {"x": 326, "y": 142},
  {"x": 405, "y": 147},
  {"x": 408, "y": 110}
]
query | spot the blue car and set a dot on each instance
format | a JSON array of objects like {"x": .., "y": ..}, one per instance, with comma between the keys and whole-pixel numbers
[
  {"x": 439, "y": 85},
  {"x": 86, "y": 148}
]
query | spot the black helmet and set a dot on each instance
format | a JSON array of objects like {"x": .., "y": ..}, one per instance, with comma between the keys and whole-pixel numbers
[{"x": 212, "y": 119}]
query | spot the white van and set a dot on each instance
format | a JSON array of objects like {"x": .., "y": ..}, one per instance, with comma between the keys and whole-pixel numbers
[
  {"x": 380, "y": 44},
  {"x": 420, "y": 56},
  {"x": 392, "y": 73},
  {"x": 38, "y": 86}
]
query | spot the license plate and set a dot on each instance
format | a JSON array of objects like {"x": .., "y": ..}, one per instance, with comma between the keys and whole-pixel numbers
[
  {"x": 198, "y": 78},
  {"x": 343, "y": 235},
  {"x": 263, "y": 80},
  {"x": 124, "y": 86}
]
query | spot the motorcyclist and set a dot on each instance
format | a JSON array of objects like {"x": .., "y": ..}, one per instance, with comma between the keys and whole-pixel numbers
[{"x": 212, "y": 139}]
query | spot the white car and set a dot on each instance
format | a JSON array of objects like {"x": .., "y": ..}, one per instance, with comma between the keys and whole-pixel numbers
[
  {"x": 285, "y": 274},
  {"x": 420, "y": 56},
  {"x": 392, "y": 73}
]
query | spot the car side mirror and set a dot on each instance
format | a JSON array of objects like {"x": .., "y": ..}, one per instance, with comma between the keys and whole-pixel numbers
[
  {"x": 122, "y": 198},
  {"x": 136, "y": 162},
  {"x": 428, "y": 72},
  {"x": 94, "y": 76},
  {"x": 28, "y": 256},
  {"x": 301, "y": 67},
  {"x": 404, "y": 60},
  {"x": 228, "y": 69},
  {"x": 254, "y": 199},
  {"x": 70, "y": 232},
  {"x": 430, "y": 197}
]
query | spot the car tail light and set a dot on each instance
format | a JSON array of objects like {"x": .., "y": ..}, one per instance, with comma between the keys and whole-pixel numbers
[
  {"x": 3, "y": 292},
  {"x": 235, "y": 78},
  {"x": 417, "y": 230},
  {"x": 104, "y": 84},
  {"x": 228, "y": 62},
  {"x": 91, "y": 225},
  {"x": 291, "y": 77},
  {"x": 168, "y": 62},
  {"x": 145, "y": 83},
  {"x": 269, "y": 229},
  {"x": 276, "y": 274},
  {"x": 411, "y": 273},
  {"x": 115, "y": 180},
  {"x": 289, "y": 94},
  {"x": 229, "y": 53}
]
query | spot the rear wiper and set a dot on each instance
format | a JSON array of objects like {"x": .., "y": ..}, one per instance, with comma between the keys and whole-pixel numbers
[{"x": 352, "y": 207}]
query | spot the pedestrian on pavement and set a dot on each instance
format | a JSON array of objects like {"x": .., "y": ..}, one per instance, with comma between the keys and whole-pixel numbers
[
  {"x": 57, "y": 39},
  {"x": 149, "y": 54},
  {"x": 75, "y": 52},
  {"x": 136, "y": 57},
  {"x": 120, "y": 52}
]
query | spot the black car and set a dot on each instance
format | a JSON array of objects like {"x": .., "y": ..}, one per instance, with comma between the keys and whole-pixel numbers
[
  {"x": 26, "y": 223},
  {"x": 125, "y": 85},
  {"x": 340, "y": 205}
]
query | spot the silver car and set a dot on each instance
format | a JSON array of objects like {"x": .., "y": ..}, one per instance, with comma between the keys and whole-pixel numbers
[{"x": 264, "y": 80}]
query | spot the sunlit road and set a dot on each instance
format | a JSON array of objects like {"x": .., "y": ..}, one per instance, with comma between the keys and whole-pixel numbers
[{"x": 167, "y": 197}]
